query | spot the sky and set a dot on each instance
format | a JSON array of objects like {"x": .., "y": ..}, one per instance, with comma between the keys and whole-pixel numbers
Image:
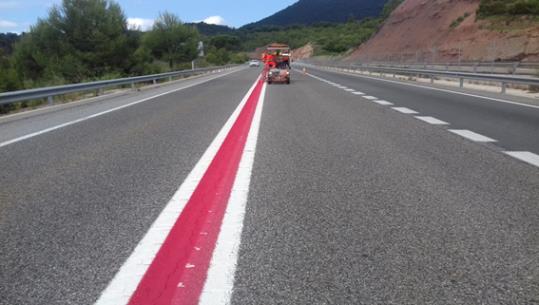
[{"x": 18, "y": 15}]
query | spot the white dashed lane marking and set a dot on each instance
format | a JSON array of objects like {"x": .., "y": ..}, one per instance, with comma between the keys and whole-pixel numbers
[
  {"x": 405, "y": 110},
  {"x": 525, "y": 156},
  {"x": 431, "y": 120},
  {"x": 470, "y": 135},
  {"x": 383, "y": 103}
]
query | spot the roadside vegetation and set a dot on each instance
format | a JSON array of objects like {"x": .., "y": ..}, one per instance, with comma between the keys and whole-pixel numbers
[
  {"x": 327, "y": 38},
  {"x": 85, "y": 40},
  {"x": 508, "y": 8},
  {"x": 459, "y": 20}
]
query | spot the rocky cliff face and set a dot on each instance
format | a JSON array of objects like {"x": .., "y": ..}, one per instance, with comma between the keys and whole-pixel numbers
[
  {"x": 448, "y": 31},
  {"x": 304, "y": 52}
]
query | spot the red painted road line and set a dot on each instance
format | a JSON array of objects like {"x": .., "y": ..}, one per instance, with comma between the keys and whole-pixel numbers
[{"x": 178, "y": 272}]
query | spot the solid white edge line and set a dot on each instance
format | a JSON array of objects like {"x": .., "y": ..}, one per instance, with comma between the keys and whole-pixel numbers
[
  {"x": 126, "y": 280},
  {"x": 438, "y": 89},
  {"x": 470, "y": 135},
  {"x": 73, "y": 122},
  {"x": 405, "y": 110},
  {"x": 220, "y": 278},
  {"x": 431, "y": 120},
  {"x": 525, "y": 156}
]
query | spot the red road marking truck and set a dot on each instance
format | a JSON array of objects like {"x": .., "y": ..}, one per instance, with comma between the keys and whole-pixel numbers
[{"x": 277, "y": 63}]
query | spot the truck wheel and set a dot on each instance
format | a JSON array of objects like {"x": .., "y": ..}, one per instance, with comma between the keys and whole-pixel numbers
[{"x": 288, "y": 81}]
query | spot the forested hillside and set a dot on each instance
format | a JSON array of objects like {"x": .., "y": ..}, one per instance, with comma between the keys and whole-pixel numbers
[{"x": 308, "y": 12}]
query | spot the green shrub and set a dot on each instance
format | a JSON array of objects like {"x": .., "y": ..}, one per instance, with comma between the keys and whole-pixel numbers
[{"x": 508, "y": 7}]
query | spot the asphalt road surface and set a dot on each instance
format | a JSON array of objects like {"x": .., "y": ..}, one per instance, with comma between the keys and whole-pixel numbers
[{"x": 350, "y": 202}]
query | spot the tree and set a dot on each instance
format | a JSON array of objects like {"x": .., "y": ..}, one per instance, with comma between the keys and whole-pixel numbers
[
  {"x": 172, "y": 41},
  {"x": 228, "y": 42},
  {"x": 79, "y": 39}
]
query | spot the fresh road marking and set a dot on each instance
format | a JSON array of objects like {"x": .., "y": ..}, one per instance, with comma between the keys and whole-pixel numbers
[
  {"x": 220, "y": 281},
  {"x": 370, "y": 97},
  {"x": 53, "y": 128},
  {"x": 470, "y": 135},
  {"x": 525, "y": 156},
  {"x": 405, "y": 110},
  {"x": 200, "y": 222},
  {"x": 130, "y": 275},
  {"x": 431, "y": 120},
  {"x": 383, "y": 103}
]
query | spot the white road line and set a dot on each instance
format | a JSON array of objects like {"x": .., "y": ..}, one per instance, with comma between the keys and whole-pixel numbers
[
  {"x": 441, "y": 90},
  {"x": 525, "y": 156},
  {"x": 56, "y": 127},
  {"x": 220, "y": 279},
  {"x": 370, "y": 97},
  {"x": 383, "y": 103},
  {"x": 470, "y": 135},
  {"x": 126, "y": 280},
  {"x": 405, "y": 110},
  {"x": 358, "y": 93},
  {"x": 431, "y": 120},
  {"x": 349, "y": 90}
]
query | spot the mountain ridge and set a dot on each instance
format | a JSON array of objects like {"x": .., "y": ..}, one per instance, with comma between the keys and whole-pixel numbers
[{"x": 308, "y": 12}]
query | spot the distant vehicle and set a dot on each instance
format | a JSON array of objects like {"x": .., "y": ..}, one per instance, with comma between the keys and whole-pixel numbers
[
  {"x": 254, "y": 63},
  {"x": 277, "y": 61}
]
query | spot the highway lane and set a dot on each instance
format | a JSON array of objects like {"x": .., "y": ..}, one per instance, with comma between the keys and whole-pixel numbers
[
  {"x": 22, "y": 124},
  {"x": 352, "y": 202},
  {"x": 514, "y": 127},
  {"x": 74, "y": 202}
]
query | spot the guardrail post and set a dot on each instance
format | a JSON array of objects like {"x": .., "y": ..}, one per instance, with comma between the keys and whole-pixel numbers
[
  {"x": 462, "y": 82},
  {"x": 432, "y": 79},
  {"x": 170, "y": 78},
  {"x": 504, "y": 87},
  {"x": 50, "y": 100},
  {"x": 154, "y": 81}
]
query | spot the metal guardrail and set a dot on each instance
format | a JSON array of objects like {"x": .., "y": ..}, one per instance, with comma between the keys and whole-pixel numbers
[
  {"x": 50, "y": 92},
  {"x": 515, "y": 68},
  {"x": 504, "y": 80}
]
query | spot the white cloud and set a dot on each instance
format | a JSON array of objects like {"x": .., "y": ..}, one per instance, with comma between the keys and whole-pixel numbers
[
  {"x": 6, "y": 25},
  {"x": 218, "y": 20},
  {"x": 140, "y": 23}
]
